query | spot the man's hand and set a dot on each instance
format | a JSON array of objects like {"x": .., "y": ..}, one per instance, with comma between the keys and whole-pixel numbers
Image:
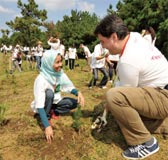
[{"x": 49, "y": 134}]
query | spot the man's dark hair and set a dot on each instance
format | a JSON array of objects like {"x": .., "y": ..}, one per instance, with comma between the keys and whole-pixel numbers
[{"x": 112, "y": 24}]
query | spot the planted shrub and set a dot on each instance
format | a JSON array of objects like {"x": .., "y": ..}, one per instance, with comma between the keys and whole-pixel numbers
[
  {"x": 2, "y": 113},
  {"x": 77, "y": 119}
]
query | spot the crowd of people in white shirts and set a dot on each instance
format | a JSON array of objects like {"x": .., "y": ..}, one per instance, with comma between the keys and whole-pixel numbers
[{"x": 98, "y": 61}]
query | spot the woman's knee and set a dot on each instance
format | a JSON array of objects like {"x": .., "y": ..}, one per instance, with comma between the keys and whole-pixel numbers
[{"x": 72, "y": 103}]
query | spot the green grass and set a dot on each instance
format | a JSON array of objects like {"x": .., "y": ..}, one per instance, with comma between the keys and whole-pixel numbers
[{"x": 22, "y": 138}]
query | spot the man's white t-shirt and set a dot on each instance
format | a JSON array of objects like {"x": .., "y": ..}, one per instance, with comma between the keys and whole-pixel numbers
[
  {"x": 114, "y": 57},
  {"x": 39, "y": 51},
  {"x": 87, "y": 51},
  {"x": 14, "y": 54},
  {"x": 62, "y": 49},
  {"x": 142, "y": 64},
  {"x": 98, "y": 51},
  {"x": 72, "y": 53}
]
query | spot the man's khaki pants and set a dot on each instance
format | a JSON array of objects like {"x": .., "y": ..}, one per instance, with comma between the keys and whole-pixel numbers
[{"x": 139, "y": 112}]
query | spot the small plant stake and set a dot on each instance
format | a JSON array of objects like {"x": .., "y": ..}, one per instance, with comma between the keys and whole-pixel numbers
[{"x": 76, "y": 119}]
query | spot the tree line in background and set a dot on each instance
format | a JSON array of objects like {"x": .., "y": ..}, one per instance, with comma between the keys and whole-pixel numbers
[{"x": 78, "y": 28}]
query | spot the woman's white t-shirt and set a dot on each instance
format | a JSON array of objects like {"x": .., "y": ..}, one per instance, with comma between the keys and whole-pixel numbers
[{"x": 40, "y": 87}]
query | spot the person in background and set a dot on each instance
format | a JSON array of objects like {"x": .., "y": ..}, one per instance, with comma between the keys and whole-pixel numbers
[
  {"x": 87, "y": 53},
  {"x": 48, "y": 85},
  {"x": 4, "y": 49},
  {"x": 66, "y": 58},
  {"x": 72, "y": 56},
  {"x": 62, "y": 48},
  {"x": 141, "y": 92},
  {"x": 38, "y": 54},
  {"x": 112, "y": 61},
  {"x": 56, "y": 46},
  {"x": 16, "y": 59},
  {"x": 26, "y": 50},
  {"x": 98, "y": 64},
  {"x": 149, "y": 35},
  {"x": 54, "y": 43}
]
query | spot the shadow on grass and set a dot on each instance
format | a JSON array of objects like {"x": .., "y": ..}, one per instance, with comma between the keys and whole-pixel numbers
[
  {"x": 4, "y": 122},
  {"x": 1, "y": 158}
]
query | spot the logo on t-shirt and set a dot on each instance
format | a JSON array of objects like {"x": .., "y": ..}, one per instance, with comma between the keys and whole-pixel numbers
[{"x": 57, "y": 88}]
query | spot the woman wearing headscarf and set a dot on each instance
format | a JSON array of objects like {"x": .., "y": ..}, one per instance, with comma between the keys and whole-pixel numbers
[{"x": 47, "y": 91}]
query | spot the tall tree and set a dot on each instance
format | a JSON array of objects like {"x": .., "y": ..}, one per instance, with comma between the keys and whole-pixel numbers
[
  {"x": 110, "y": 9},
  {"x": 5, "y": 36},
  {"x": 50, "y": 29},
  {"x": 77, "y": 28},
  {"x": 28, "y": 25},
  {"x": 138, "y": 14}
]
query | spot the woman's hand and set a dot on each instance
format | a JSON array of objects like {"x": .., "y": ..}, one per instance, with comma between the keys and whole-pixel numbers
[
  {"x": 49, "y": 134},
  {"x": 81, "y": 99}
]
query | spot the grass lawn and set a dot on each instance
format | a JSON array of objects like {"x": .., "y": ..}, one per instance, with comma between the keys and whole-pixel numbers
[{"x": 21, "y": 138}]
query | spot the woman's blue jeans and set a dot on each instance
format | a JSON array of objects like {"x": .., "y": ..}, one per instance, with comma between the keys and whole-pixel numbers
[{"x": 63, "y": 106}]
